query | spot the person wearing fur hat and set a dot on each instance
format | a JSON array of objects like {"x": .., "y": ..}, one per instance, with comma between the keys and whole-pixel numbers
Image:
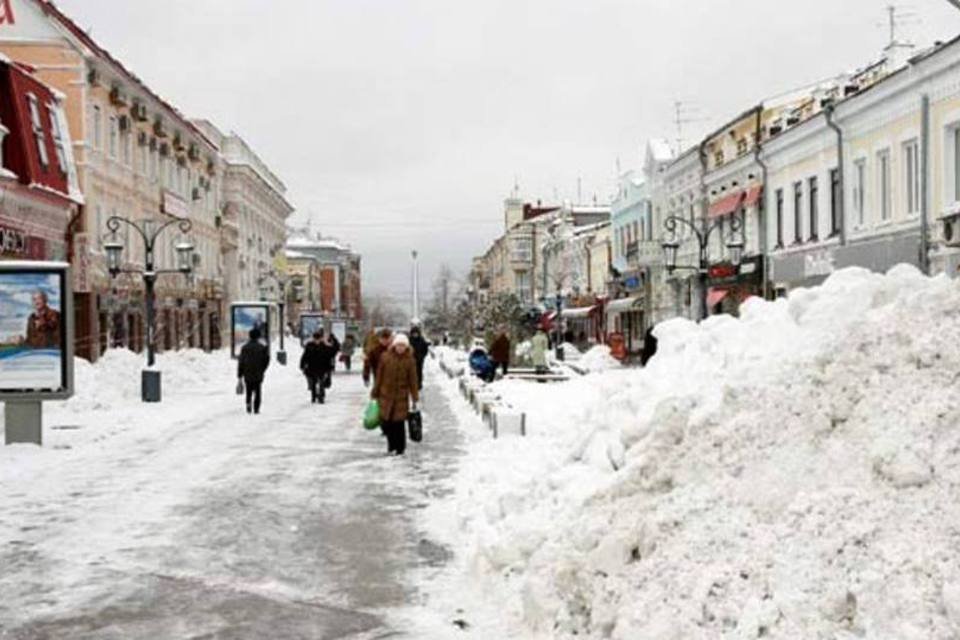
[{"x": 396, "y": 384}]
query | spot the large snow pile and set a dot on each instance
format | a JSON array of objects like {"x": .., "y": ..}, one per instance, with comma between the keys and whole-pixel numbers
[
  {"x": 790, "y": 474},
  {"x": 599, "y": 359}
]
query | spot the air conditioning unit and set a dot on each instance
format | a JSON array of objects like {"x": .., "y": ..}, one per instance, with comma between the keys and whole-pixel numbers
[
  {"x": 93, "y": 77},
  {"x": 159, "y": 129},
  {"x": 194, "y": 152},
  {"x": 124, "y": 123},
  {"x": 196, "y": 193},
  {"x": 143, "y": 139},
  {"x": 164, "y": 150},
  {"x": 139, "y": 112},
  {"x": 117, "y": 97}
]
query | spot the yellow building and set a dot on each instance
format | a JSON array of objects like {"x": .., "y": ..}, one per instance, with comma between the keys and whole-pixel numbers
[{"x": 139, "y": 158}]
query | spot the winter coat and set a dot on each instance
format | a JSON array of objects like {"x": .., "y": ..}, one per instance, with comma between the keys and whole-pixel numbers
[
  {"x": 649, "y": 347},
  {"x": 421, "y": 348},
  {"x": 396, "y": 384},
  {"x": 349, "y": 346},
  {"x": 371, "y": 342},
  {"x": 372, "y": 364},
  {"x": 315, "y": 361},
  {"x": 253, "y": 362},
  {"x": 500, "y": 349},
  {"x": 539, "y": 346}
]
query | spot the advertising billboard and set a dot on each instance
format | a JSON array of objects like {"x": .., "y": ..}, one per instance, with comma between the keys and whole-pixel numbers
[
  {"x": 309, "y": 324},
  {"x": 245, "y": 316},
  {"x": 36, "y": 331}
]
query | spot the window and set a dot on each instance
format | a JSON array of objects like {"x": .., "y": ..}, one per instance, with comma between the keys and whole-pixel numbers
[
  {"x": 100, "y": 229},
  {"x": 911, "y": 166},
  {"x": 114, "y": 134},
  {"x": 956, "y": 164},
  {"x": 835, "y": 196},
  {"x": 814, "y": 193},
  {"x": 797, "y": 213},
  {"x": 859, "y": 188},
  {"x": 125, "y": 147},
  {"x": 142, "y": 158},
  {"x": 779, "y": 218},
  {"x": 636, "y": 231},
  {"x": 37, "y": 125},
  {"x": 59, "y": 146},
  {"x": 97, "y": 128},
  {"x": 522, "y": 250},
  {"x": 883, "y": 184}
]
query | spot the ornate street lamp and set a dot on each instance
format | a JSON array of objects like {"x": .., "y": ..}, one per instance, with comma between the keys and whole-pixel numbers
[
  {"x": 671, "y": 247},
  {"x": 150, "y": 381},
  {"x": 281, "y": 304}
]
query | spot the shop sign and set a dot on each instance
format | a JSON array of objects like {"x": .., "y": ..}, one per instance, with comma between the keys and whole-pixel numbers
[
  {"x": 16, "y": 243},
  {"x": 174, "y": 205},
  {"x": 818, "y": 263},
  {"x": 720, "y": 271}
]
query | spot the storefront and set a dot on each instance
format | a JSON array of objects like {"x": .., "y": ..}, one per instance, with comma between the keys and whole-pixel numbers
[
  {"x": 729, "y": 285},
  {"x": 583, "y": 325},
  {"x": 626, "y": 317}
]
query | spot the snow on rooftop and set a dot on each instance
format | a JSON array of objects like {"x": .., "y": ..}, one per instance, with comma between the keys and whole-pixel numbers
[{"x": 660, "y": 149}]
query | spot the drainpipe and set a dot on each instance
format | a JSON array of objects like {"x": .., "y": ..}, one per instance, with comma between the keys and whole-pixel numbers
[
  {"x": 762, "y": 210},
  {"x": 842, "y": 203},
  {"x": 924, "y": 184},
  {"x": 704, "y": 207}
]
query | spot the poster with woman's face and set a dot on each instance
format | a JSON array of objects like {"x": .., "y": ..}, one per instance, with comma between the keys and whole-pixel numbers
[
  {"x": 245, "y": 319},
  {"x": 32, "y": 338},
  {"x": 309, "y": 324}
]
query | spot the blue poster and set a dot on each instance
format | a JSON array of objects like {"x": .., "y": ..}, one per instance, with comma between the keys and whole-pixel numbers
[
  {"x": 245, "y": 319},
  {"x": 31, "y": 332},
  {"x": 309, "y": 324}
]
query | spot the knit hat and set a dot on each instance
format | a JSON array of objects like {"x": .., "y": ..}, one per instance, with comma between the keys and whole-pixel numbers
[{"x": 401, "y": 338}]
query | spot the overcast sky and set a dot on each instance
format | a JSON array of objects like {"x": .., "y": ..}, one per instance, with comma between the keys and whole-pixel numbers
[{"x": 400, "y": 124}]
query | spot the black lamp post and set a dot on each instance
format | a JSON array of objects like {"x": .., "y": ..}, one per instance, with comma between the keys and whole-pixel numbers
[
  {"x": 671, "y": 246},
  {"x": 281, "y": 304},
  {"x": 150, "y": 382},
  {"x": 559, "y": 346}
]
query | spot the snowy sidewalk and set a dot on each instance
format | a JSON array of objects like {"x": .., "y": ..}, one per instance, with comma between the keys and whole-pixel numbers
[{"x": 191, "y": 518}]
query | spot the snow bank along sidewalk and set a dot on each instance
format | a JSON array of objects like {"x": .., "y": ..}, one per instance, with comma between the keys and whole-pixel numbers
[{"x": 793, "y": 473}]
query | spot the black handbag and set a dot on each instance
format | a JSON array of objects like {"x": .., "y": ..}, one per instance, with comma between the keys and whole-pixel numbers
[{"x": 415, "y": 426}]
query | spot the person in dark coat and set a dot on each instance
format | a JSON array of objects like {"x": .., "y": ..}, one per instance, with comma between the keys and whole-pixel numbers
[
  {"x": 251, "y": 366},
  {"x": 421, "y": 348},
  {"x": 372, "y": 363},
  {"x": 649, "y": 347},
  {"x": 315, "y": 364},
  {"x": 396, "y": 384},
  {"x": 334, "y": 348},
  {"x": 500, "y": 351}
]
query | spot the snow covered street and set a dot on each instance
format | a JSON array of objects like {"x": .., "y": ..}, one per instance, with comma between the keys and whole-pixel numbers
[{"x": 192, "y": 519}]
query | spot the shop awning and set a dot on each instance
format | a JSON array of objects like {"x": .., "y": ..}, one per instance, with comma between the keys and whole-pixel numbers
[
  {"x": 581, "y": 312},
  {"x": 726, "y": 205},
  {"x": 624, "y": 304},
  {"x": 715, "y": 297},
  {"x": 753, "y": 196}
]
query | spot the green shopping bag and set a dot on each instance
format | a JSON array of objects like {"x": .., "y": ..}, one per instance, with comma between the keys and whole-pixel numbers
[{"x": 371, "y": 417}]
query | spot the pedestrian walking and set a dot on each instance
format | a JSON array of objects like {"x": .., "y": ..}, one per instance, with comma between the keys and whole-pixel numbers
[
  {"x": 540, "y": 344},
  {"x": 421, "y": 348},
  {"x": 315, "y": 365},
  {"x": 649, "y": 347},
  {"x": 334, "y": 346},
  {"x": 347, "y": 350},
  {"x": 500, "y": 351},
  {"x": 372, "y": 362},
  {"x": 251, "y": 367},
  {"x": 396, "y": 385}
]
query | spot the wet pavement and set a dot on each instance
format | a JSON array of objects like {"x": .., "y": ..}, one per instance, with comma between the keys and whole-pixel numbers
[{"x": 292, "y": 524}]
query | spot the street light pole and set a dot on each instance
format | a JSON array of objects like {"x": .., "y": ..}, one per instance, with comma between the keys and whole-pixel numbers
[
  {"x": 150, "y": 383},
  {"x": 416, "y": 287},
  {"x": 671, "y": 245}
]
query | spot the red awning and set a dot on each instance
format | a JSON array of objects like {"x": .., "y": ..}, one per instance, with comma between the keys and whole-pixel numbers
[
  {"x": 726, "y": 205},
  {"x": 753, "y": 196},
  {"x": 715, "y": 297}
]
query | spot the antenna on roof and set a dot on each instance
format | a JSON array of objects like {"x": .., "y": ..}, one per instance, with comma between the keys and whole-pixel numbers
[
  {"x": 684, "y": 114},
  {"x": 898, "y": 17}
]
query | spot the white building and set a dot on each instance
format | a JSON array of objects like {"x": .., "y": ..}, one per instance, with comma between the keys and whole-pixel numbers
[{"x": 254, "y": 219}]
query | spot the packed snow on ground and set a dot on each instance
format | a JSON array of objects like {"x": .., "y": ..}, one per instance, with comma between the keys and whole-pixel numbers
[{"x": 789, "y": 474}]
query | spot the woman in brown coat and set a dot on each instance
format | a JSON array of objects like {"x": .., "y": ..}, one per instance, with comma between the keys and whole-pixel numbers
[{"x": 395, "y": 384}]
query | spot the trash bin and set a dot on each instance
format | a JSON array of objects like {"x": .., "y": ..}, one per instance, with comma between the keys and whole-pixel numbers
[{"x": 150, "y": 385}]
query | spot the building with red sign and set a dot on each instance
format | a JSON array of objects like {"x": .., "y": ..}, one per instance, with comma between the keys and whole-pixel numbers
[{"x": 38, "y": 178}]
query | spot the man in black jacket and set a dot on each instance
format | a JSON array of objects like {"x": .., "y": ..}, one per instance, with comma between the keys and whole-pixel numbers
[
  {"x": 421, "y": 348},
  {"x": 316, "y": 363},
  {"x": 252, "y": 364}
]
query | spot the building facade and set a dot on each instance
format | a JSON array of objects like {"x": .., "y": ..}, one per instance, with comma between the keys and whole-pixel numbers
[
  {"x": 37, "y": 172},
  {"x": 137, "y": 157},
  {"x": 338, "y": 270}
]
